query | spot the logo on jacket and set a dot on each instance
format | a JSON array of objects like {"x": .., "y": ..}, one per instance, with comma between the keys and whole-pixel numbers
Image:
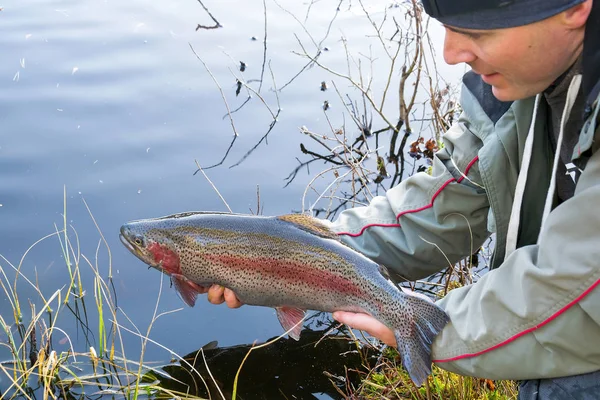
[{"x": 573, "y": 171}]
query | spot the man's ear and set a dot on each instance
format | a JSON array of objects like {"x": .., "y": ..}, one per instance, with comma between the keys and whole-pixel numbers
[{"x": 577, "y": 16}]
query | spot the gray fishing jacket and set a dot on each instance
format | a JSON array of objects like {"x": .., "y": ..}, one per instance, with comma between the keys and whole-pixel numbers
[{"x": 536, "y": 313}]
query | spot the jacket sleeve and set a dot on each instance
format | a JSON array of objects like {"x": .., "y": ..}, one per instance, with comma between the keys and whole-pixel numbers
[
  {"x": 537, "y": 315},
  {"x": 427, "y": 222}
]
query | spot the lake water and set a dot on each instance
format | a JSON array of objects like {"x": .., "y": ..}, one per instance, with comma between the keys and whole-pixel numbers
[{"x": 107, "y": 99}]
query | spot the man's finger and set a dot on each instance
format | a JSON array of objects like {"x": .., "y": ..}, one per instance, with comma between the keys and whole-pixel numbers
[
  {"x": 231, "y": 299},
  {"x": 215, "y": 294},
  {"x": 359, "y": 321},
  {"x": 368, "y": 324}
]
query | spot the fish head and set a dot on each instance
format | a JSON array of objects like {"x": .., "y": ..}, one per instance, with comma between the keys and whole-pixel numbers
[{"x": 149, "y": 242}]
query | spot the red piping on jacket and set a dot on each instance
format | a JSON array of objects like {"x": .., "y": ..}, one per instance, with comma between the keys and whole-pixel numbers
[
  {"x": 518, "y": 335},
  {"x": 449, "y": 181}
]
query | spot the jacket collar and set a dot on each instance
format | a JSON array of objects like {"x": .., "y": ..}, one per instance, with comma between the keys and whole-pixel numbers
[{"x": 591, "y": 58}]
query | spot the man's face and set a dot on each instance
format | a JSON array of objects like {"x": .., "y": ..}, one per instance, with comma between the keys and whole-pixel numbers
[{"x": 517, "y": 62}]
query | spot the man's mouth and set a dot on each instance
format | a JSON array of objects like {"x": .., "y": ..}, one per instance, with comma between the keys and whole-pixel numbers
[{"x": 489, "y": 78}]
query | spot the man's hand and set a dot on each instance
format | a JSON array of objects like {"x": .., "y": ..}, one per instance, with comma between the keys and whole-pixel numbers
[
  {"x": 365, "y": 322},
  {"x": 218, "y": 294}
]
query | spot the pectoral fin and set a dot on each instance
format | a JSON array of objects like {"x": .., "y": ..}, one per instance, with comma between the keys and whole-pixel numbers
[
  {"x": 291, "y": 317},
  {"x": 187, "y": 289}
]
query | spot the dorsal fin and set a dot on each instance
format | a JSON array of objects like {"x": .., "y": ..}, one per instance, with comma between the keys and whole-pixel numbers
[{"x": 309, "y": 224}]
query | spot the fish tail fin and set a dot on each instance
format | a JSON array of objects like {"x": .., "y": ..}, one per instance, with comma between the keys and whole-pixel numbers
[{"x": 415, "y": 349}]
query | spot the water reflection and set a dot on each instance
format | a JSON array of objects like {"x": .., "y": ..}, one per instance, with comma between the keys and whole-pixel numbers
[{"x": 316, "y": 366}]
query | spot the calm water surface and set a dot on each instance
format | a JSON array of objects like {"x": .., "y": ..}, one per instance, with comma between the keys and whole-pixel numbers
[{"x": 106, "y": 99}]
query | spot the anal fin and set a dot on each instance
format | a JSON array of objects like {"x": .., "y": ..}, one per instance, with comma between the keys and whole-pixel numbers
[{"x": 291, "y": 318}]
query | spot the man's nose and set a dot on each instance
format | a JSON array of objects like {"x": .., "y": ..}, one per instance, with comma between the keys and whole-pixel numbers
[{"x": 457, "y": 48}]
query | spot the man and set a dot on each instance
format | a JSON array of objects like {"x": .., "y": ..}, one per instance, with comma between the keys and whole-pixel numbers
[{"x": 521, "y": 162}]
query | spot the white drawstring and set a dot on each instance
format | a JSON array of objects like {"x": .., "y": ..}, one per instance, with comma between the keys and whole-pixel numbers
[
  {"x": 515, "y": 214},
  {"x": 571, "y": 97},
  {"x": 513, "y": 224}
]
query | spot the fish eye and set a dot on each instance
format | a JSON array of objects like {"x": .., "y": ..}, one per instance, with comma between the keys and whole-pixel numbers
[{"x": 138, "y": 240}]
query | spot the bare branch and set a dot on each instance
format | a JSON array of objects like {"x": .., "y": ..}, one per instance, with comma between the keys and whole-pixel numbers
[
  {"x": 212, "y": 184},
  {"x": 220, "y": 89},
  {"x": 215, "y": 26},
  {"x": 262, "y": 139},
  {"x": 262, "y": 70}
]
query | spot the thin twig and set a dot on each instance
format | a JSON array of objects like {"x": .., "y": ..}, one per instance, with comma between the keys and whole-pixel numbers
[
  {"x": 262, "y": 139},
  {"x": 262, "y": 70},
  {"x": 215, "y": 26},
  {"x": 212, "y": 184}
]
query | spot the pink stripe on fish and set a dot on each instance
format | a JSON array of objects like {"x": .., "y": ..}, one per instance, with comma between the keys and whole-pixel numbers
[{"x": 293, "y": 272}]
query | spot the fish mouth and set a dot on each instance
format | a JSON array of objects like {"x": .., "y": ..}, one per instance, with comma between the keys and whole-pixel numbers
[
  {"x": 136, "y": 251},
  {"x": 128, "y": 245}
]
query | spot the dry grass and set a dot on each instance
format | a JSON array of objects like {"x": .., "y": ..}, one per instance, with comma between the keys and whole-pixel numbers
[{"x": 101, "y": 370}]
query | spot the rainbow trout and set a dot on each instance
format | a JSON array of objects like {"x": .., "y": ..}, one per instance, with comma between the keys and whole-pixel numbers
[{"x": 293, "y": 263}]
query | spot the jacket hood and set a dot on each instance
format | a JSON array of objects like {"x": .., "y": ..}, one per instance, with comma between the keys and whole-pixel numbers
[{"x": 591, "y": 56}]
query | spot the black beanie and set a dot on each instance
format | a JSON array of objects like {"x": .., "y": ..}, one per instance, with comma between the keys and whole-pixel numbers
[{"x": 494, "y": 14}]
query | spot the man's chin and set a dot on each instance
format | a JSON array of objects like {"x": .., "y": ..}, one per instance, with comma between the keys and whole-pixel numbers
[{"x": 509, "y": 94}]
